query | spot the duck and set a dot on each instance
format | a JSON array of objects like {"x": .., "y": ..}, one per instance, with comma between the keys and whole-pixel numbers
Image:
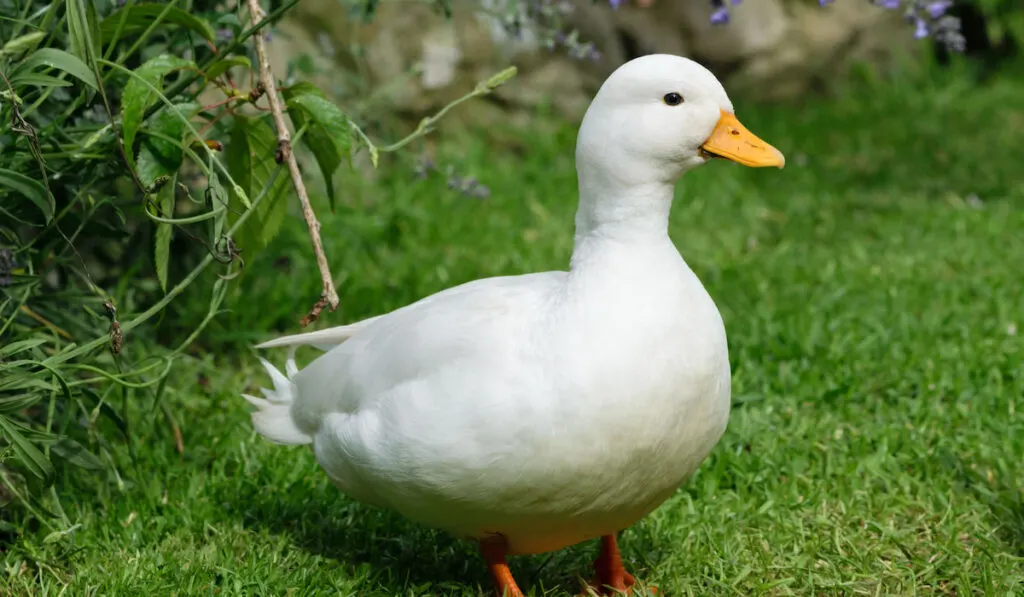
[{"x": 529, "y": 413}]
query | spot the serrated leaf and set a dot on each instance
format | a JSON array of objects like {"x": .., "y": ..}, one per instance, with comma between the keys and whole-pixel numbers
[
  {"x": 162, "y": 250},
  {"x": 221, "y": 66},
  {"x": 60, "y": 60},
  {"x": 83, "y": 29},
  {"x": 138, "y": 96},
  {"x": 76, "y": 454},
  {"x": 250, "y": 160},
  {"x": 138, "y": 18},
  {"x": 30, "y": 189},
  {"x": 158, "y": 156},
  {"x": 328, "y": 133},
  {"x": 28, "y": 454}
]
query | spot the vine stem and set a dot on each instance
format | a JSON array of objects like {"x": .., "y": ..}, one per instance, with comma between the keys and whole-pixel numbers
[{"x": 328, "y": 295}]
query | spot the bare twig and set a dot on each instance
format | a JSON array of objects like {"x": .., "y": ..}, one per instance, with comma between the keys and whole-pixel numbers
[{"x": 328, "y": 296}]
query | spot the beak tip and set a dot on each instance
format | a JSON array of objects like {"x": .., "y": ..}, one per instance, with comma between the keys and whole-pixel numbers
[{"x": 782, "y": 159}]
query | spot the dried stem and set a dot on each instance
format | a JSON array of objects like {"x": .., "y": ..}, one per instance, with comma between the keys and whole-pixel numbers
[{"x": 329, "y": 296}]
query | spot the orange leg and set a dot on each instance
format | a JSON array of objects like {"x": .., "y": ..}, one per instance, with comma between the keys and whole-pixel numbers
[
  {"x": 494, "y": 550},
  {"x": 610, "y": 575}
]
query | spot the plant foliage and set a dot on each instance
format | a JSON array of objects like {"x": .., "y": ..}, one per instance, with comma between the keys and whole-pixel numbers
[
  {"x": 141, "y": 153},
  {"x": 133, "y": 162}
]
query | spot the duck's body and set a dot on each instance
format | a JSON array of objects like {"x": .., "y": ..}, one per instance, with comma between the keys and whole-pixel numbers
[
  {"x": 543, "y": 409},
  {"x": 498, "y": 454}
]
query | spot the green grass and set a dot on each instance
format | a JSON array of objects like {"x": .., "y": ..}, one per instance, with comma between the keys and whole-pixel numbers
[{"x": 876, "y": 324}]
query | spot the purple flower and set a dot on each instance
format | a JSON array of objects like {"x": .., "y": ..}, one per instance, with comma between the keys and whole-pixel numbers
[
  {"x": 937, "y": 9},
  {"x": 928, "y": 17},
  {"x": 719, "y": 16},
  {"x": 615, "y": 4},
  {"x": 920, "y": 28}
]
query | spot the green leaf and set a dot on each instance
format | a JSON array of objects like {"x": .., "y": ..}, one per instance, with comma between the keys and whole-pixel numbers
[
  {"x": 221, "y": 66},
  {"x": 25, "y": 381},
  {"x": 18, "y": 402},
  {"x": 57, "y": 535},
  {"x": 30, "y": 189},
  {"x": 83, "y": 29},
  {"x": 138, "y": 17},
  {"x": 30, "y": 456},
  {"x": 164, "y": 231},
  {"x": 138, "y": 96},
  {"x": 22, "y": 43},
  {"x": 170, "y": 121},
  {"x": 76, "y": 454},
  {"x": 61, "y": 60},
  {"x": 327, "y": 133},
  {"x": 158, "y": 154},
  {"x": 38, "y": 80},
  {"x": 21, "y": 345},
  {"x": 250, "y": 160}
]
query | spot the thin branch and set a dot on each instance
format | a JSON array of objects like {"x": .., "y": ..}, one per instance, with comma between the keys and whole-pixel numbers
[
  {"x": 427, "y": 124},
  {"x": 328, "y": 295}
]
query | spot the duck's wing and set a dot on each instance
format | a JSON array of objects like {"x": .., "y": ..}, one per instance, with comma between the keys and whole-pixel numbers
[{"x": 466, "y": 328}]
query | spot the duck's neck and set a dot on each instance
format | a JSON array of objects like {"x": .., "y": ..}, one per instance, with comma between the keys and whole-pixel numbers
[{"x": 615, "y": 215}]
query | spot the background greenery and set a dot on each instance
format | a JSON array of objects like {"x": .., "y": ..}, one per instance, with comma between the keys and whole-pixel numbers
[{"x": 871, "y": 291}]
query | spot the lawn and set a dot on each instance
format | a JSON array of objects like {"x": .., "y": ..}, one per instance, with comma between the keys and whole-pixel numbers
[{"x": 873, "y": 296}]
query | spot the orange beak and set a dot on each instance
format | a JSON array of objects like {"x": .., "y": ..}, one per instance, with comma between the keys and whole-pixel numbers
[{"x": 732, "y": 141}]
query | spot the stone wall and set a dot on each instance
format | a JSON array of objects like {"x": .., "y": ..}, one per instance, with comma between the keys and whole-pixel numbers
[{"x": 411, "y": 61}]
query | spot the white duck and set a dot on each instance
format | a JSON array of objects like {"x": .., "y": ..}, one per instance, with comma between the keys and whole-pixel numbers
[{"x": 533, "y": 412}]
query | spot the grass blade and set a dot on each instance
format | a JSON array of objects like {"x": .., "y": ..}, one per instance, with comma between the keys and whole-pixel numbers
[
  {"x": 61, "y": 60},
  {"x": 30, "y": 456}
]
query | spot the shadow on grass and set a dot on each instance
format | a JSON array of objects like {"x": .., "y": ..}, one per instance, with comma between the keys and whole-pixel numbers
[
  {"x": 395, "y": 556},
  {"x": 1007, "y": 507},
  {"x": 1000, "y": 493}
]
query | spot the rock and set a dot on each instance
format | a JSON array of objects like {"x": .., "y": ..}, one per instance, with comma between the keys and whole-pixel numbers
[
  {"x": 755, "y": 27},
  {"x": 411, "y": 61}
]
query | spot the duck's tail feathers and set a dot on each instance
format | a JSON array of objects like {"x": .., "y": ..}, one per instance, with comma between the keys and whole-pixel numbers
[
  {"x": 324, "y": 340},
  {"x": 273, "y": 417}
]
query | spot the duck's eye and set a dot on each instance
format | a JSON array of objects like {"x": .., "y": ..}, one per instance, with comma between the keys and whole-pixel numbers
[{"x": 672, "y": 99}]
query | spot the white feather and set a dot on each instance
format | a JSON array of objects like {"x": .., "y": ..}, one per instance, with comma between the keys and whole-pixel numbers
[{"x": 273, "y": 417}]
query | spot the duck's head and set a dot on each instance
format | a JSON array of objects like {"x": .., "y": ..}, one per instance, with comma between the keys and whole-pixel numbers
[{"x": 658, "y": 116}]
